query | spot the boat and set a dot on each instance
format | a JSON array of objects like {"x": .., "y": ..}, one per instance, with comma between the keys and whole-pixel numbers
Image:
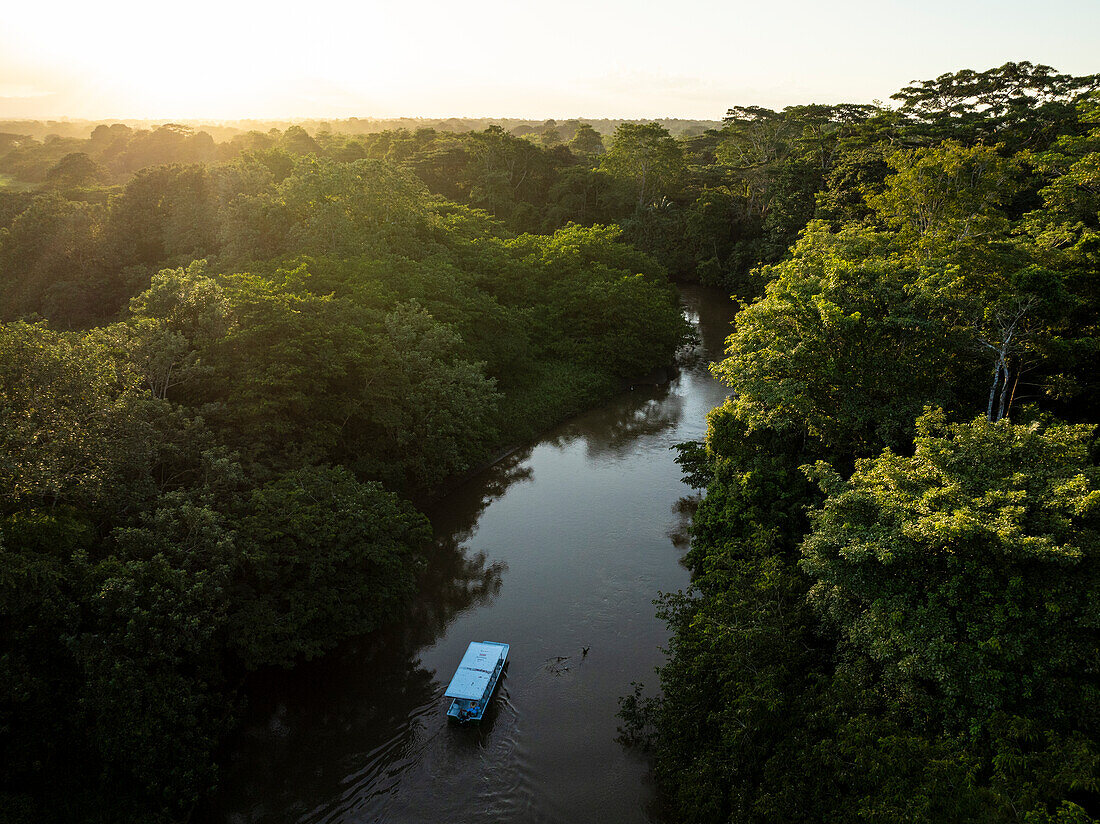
[{"x": 475, "y": 679}]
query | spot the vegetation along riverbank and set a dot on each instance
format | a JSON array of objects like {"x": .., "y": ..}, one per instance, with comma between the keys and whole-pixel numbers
[
  {"x": 895, "y": 604},
  {"x": 222, "y": 386},
  {"x": 229, "y": 370}
]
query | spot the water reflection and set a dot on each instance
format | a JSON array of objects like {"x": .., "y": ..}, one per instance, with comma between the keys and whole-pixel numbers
[
  {"x": 684, "y": 510},
  {"x": 616, "y": 428},
  {"x": 584, "y": 519},
  {"x": 456, "y": 515},
  {"x": 711, "y": 313},
  {"x": 348, "y": 724}
]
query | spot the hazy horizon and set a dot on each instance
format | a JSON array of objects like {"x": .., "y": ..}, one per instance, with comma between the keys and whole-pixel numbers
[
  {"x": 241, "y": 121},
  {"x": 218, "y": 61}
]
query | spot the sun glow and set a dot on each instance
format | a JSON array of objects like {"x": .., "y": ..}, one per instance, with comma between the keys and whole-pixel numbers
[{"x": 609, "y": 58}]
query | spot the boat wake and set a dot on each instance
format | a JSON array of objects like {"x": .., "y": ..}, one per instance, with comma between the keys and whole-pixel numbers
[{"x": 434, "y": 771}]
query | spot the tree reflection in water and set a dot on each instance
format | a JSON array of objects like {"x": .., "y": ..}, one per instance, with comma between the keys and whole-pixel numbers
[
  {"x": 684, "y": 510},
  {"x": 615, "y": 429},
  {"x": 329, "y": 727},
  {"x": 361, "y": 735}
]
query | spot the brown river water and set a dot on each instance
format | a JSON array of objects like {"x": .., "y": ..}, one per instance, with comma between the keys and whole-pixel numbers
[{"x": 562, "y": 545}]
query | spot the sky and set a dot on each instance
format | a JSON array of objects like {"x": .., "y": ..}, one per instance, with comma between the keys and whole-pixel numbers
[{"x": 223, "y": 60}]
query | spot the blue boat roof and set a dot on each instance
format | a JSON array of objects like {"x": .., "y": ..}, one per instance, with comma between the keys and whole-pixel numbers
[{"x": 476, "y": 670}]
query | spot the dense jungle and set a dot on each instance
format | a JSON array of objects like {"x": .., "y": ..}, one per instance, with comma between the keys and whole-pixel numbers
[{"x": 235, "y": 371}]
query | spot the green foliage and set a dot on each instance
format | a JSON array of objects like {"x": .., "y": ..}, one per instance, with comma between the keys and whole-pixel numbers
[
  {"x": 69, "y": 432},
  {"x": 924, "y": 646},
  {"x": 165, "y": 216},
  {"x": 76, "y": 170},
  {"x": 1030, "y": 103},
  {"x": 646, "y": 156},
  {"x": 970, "y": 572},
  {"x": 1070, "y": 216},
  {"x": 434, "y": 414},
  {"x": 182, "y": 314},
  {"x": 50, "y": 261},
  {"x": 37, "y": 611},
  {"x": 322, "y": 557},
  {"x": 603, "y": 300},
  {"x": 587, "y": 140},
  {"x": 849, "y": 343},
  {"x": 942, "y": 197},
  {"x": 931, "y": 657},
  {"x": 152, "y": 692},
  {"x": 346, "y": 209},
  {"x": 209, "y": 484},
  {"x": 756, "y": 143}
]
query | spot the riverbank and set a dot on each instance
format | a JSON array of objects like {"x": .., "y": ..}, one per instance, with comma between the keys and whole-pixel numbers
[{"x": 561, "y": 544}]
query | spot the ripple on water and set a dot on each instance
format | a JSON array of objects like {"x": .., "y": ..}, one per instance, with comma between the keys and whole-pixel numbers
[
  {"x": 563, "y": 546},
  {"x": 431, "y": 769}
]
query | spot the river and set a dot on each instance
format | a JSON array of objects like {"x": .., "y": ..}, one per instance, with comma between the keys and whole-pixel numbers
[{"x": 558, "y": 548}]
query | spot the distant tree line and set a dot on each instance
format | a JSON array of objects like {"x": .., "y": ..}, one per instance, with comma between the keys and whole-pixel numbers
[{"x": 709, "y": 203}]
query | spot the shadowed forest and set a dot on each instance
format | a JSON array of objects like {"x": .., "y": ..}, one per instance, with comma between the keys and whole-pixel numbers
[{"x": 232, "y": 369}]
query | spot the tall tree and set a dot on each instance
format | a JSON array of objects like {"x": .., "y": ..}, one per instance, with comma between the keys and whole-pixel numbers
[
  {"x": 647, "y": 156},
  {"x": 587, "y": 141}
]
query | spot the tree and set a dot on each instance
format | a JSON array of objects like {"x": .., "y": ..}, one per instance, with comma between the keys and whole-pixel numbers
[
  {"x": 996, "y": 91},
  {"x": 40, "y": 573},
  {"x": 166, "y": 215},
  {"x": 51, "y": 262},
  {"x": 153, "y": 694},
  {"x": 70, "y": 432},
  {"x": 344, "y": 209},
  {"x": 296, "y": 140},
  {"x": 969, "y": 572},
  {"x": 550, "y": 137},
  {"x": 849, "y": 343},
  {"x": 755, "y": 143},
  {"x": 503, "y": 173},
  {"x": 323, "y": 558},
  {"x": 76, "y": 170},
  {"x": 426, "y": 413},
  {"x": 1028, "y": 103},
  {"x": 947, "y": 197},
  {"x": 586, "y": 196},
  {"x": 647, "y": 156},
  {"x": 1070, "y": 215},
  {"x": 587, "y": 141},
  {"x": 181, "y": 315}
]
